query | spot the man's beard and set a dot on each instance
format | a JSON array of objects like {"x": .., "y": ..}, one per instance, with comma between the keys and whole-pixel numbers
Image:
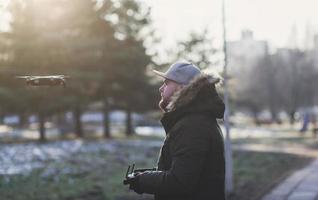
[{"x": 163, "y": 105}]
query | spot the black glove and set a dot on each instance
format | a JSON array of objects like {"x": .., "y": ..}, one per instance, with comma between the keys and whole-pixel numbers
[
  {"x": 134, "y": 185},
  {"x": 132, "y": 177},
  {"x": 133, "y": 181}
]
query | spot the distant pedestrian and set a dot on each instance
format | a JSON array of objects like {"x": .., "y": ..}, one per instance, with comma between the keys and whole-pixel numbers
[
  {"x": 306, "y": 121},
  {"x": 314, "y": 125}
]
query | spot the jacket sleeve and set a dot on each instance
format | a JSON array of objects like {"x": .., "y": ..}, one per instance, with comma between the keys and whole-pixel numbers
[{"x": 189, "y": 152}]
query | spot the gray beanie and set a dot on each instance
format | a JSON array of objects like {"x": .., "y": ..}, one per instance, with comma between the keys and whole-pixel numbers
[{"x": 180, "y": 72}]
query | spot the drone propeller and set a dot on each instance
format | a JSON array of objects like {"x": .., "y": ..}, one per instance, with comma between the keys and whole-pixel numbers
[
  {"x": 23, "y": 77},
  {"x": 61, "y": 76}
]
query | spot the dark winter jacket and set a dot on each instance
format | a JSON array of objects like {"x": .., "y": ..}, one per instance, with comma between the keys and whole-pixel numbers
[{"x": 191, "y": 163}]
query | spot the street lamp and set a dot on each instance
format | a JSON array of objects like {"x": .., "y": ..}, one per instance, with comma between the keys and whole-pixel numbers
[{"x": 228, "y": 147}]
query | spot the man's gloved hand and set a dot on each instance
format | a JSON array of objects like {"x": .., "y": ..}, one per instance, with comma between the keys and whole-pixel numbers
[
  {"x": 133, "y": 176},
  {"x": 135, "y": 186},
  {"x": 133, "y": 181}
]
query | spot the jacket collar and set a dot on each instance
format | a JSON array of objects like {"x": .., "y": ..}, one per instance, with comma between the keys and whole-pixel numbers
[{"x": 199, "y": 96}]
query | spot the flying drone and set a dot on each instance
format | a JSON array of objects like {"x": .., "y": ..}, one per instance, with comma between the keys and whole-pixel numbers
[{"x": 53, "y": 80}]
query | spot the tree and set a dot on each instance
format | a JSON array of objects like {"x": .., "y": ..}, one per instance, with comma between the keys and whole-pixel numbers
[
  {"x": 129, "y": 82},
  {"x": 78, "y": 40},
  {"x": 199, "y": 49},
  {"x": 298, "y": 82},
  {"x": 280, "y": 82},
  {"x": 66, "y": 46}
]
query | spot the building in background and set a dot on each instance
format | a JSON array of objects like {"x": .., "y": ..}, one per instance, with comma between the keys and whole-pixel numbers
[{"x": 243, "y": 54}]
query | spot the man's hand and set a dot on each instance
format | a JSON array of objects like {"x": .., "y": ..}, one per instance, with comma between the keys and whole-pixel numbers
[{"x": 133, "y": 181}]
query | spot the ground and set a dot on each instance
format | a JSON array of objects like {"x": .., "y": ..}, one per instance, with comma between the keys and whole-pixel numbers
[{"x": 94, "y": 170}]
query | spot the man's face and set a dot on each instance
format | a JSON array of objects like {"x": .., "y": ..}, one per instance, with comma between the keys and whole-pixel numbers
[{"x": 167, "y": 89}]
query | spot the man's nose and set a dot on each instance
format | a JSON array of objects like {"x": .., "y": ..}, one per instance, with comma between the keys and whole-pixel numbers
[{"x": 161, "y": 89}]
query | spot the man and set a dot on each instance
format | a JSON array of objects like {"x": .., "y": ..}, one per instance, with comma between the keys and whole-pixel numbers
[{"x": 191, "y": 163}]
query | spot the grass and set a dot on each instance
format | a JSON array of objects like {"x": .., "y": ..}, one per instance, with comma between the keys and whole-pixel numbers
[
  {"x": 256, "y": 173},
  {"x": 89, "y": 176},
  {"x": 99, "y": 175},
  {"x": 10, "y": 140},
  {"x": 296, "y": 141}
]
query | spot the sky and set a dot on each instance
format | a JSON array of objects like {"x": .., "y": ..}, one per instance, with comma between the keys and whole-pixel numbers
[
  {"x": 3, "y": 15},
  {"x": 271, "y": 20}
]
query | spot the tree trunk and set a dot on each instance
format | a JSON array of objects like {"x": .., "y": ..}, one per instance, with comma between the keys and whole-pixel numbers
[
  {"x": 78, "y": 123},
  {"x": 274, "y": 115},
  {"x": 255, "y": 112},
  {"x": 129, "y": 128},
  {"x": 2, "y": 116},
  {"x": 255, "y": 117},
  {"x": 292, "y": 117},
  {"x": 22, "y": 120},
  {"x": 62, "y": 126},
  {"x": 106, "y": 121},
  {"x": 42, "y": 127}
]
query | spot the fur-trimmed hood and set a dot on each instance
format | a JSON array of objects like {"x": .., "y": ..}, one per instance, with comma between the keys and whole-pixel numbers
[{"x": 199, "y": 96}]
